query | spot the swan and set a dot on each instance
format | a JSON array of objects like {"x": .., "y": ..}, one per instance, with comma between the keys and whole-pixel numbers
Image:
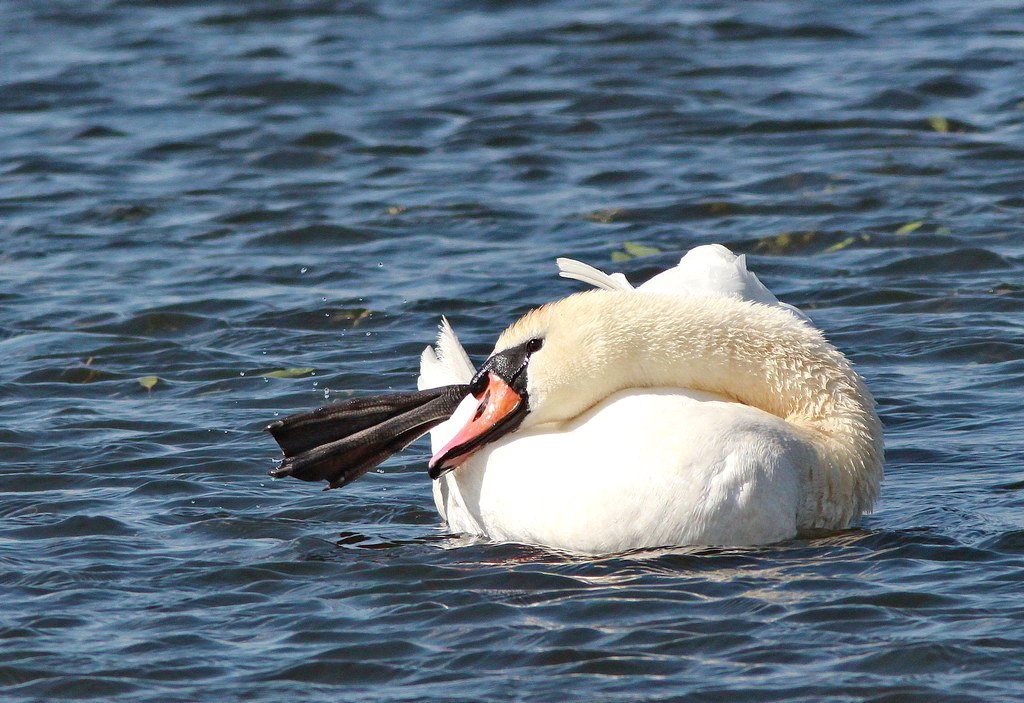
[{"x": 695, "y": 409}]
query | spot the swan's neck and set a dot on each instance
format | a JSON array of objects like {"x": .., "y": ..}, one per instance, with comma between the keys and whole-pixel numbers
[{"x": 761, "y": 356}]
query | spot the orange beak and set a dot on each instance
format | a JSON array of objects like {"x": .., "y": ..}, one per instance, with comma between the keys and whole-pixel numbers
[{"x": 496, "y": 415}]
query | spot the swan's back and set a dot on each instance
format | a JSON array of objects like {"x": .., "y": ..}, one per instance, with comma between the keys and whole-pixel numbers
[{"x": 710, "y": 270}]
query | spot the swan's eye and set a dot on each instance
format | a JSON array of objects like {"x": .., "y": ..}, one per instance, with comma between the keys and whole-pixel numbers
[
  {"x": 534, "y": 344},
  {"x": 478, "y": 384}
]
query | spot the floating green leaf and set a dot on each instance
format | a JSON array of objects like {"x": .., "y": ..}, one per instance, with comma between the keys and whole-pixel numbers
[
  {"x": 839, "y": 246},
  {"x": 148, "y": 382},
  {"x": 636, "y": 249},
  {"x": 619, "y": 256},
  {"x": 939, "y": 124},
  {"x": 287, "y": 373},
  {"x": 943, "y": 230},
  {"x": 910, "y": 227}
]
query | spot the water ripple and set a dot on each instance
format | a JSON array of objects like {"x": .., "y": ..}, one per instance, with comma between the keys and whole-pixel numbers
[{"x": 203, "y": 195}]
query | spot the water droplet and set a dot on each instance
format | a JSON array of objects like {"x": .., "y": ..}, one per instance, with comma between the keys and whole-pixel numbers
[
  {"x": 380, "y": 264},
  {"x": 367, "y": 334},
  {"x": 316, "y": 383},
  {"x": 303, "y": 269}
]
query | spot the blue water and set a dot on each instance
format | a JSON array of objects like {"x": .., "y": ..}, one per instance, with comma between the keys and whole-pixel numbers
[{"x": 196, "y": 194}]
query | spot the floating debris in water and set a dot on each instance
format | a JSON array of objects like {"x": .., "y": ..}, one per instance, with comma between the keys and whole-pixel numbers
[
  {"x": 839, "y": 246},
  {"x": 354, "y": 316},
  {"x": 852, "y": 239},
  {"x": 602, "y": 216},
  {"x": 1006, "y": 289},
  {"x": 288, "y": 373},
  {"x": 910, "y": 227},
  {"x": 785, "y": 242},
  {"x": 638, "y": 250},
  {"x": 633, "y": 250}
]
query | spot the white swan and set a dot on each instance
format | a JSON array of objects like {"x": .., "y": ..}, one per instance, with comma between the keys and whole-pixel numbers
[{"x": 694, "y": 409}]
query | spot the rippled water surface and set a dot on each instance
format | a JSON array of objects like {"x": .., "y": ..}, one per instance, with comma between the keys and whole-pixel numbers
[{"x": 195, "y": 194}]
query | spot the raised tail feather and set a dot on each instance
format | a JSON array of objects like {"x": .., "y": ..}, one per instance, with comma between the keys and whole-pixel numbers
[
  {"x": 577, "y": 270},
  {"x": 339, "y": 443}
]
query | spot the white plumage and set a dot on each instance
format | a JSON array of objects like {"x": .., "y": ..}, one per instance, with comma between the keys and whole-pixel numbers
[{"x": 694, "y": 409}]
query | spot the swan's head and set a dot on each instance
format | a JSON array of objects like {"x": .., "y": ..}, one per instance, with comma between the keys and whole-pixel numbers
[{"x": 549, "y": 366}]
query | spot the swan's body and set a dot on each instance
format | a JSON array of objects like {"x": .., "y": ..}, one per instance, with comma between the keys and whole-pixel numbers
[
  {"x": 585, "y": 489},
  {"x": 694, "y": 409}
]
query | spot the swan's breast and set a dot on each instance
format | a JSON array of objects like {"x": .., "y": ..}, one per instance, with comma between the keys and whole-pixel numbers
[{"x": 644, "y": 467}]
